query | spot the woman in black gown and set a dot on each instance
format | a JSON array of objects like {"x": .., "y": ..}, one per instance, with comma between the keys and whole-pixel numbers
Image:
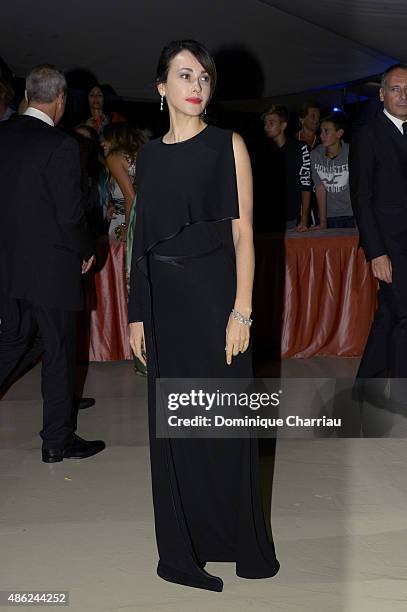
[{"x": 193, "y": 262}]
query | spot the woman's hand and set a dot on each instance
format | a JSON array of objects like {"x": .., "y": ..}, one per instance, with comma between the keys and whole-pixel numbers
[
  {"x": 123, "y": 233},
  {"x": 237, "y": 338},
  {"x": 137, "y": 341}
]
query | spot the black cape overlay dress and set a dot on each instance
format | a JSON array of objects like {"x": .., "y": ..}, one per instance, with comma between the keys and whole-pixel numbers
[{"x": 206, "y": 492}]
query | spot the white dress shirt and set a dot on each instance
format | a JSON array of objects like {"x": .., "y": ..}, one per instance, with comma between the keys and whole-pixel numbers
[
  {"x": 397, "y": 122},
  {"x": 38, "y": 114}
]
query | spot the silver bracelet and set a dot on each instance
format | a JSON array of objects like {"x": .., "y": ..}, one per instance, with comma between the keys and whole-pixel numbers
[{"x": 239, "y": 317}]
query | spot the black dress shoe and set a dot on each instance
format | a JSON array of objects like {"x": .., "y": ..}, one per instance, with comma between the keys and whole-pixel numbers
[
  {"x": 80, "y": 403},
  {"x": 76, "y": 449}
]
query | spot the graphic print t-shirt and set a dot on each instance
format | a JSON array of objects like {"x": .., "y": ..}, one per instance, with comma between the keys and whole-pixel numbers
[
  {"x": 297, "y": 164},
  {"x": 280, "y": 176},
  {"x": 334, "y": 175}
]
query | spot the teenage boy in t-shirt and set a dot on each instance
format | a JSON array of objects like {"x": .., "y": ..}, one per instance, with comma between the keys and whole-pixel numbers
[
  {"x": 330, "y": 174},
  {"x": 294, "y": 190}
]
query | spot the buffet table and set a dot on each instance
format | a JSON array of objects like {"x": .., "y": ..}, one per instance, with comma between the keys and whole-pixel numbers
[{"x": 313, "y": 295}]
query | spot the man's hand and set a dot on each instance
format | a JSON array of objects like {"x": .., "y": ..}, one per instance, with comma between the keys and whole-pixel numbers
[
  {"x": 381, "y": 268},
  {"x": 137, "y": 341},
  {"x": 86, "y": 265}
]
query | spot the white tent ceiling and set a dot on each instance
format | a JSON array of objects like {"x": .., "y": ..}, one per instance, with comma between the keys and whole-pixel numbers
[{"x": 265, "y": 48}]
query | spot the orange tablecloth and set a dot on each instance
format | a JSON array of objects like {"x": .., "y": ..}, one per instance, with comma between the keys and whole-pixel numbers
[{"x": 314, "y": 295}]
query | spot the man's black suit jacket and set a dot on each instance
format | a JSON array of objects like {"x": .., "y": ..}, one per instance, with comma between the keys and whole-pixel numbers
[
  {"x": 378, "y": 186},
  {"x": 43, "y": 234}
]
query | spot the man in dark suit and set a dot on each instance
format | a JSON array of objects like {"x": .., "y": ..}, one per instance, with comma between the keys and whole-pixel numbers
[
  {"x": 44, "y": 247},
  {"x": 378, "y": 184}
]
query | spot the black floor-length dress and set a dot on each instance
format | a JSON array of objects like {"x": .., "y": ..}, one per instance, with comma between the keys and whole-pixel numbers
[{"x": 206, "y": 492}]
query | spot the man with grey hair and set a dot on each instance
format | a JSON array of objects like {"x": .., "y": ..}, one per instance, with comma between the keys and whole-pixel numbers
[
  {"x": 378, "y": 186},
  {"x": 44, "y": 248}
]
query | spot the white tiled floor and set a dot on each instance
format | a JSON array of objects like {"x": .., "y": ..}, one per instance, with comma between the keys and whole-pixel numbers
[{"x": 339, "y": 513}]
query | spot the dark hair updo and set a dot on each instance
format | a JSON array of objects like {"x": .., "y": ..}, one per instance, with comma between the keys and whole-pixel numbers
[{"x": 174, "y": 47}]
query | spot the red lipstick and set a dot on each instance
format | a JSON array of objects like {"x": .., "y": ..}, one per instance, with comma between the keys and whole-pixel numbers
[{"x": 194, "y": 100}]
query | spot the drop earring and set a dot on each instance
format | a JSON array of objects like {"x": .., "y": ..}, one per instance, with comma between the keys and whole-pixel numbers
[
  {"x": 162, "y": 103},
  {"x": 204, "y": 112}
]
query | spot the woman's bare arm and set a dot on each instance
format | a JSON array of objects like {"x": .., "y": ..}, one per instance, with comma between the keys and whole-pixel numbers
[
  {"x": 238, "y": 334},
  {"x": 118, "y": 166}
]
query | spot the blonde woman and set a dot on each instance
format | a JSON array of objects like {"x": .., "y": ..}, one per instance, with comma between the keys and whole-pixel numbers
[{"x": 121, "y": 143}]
